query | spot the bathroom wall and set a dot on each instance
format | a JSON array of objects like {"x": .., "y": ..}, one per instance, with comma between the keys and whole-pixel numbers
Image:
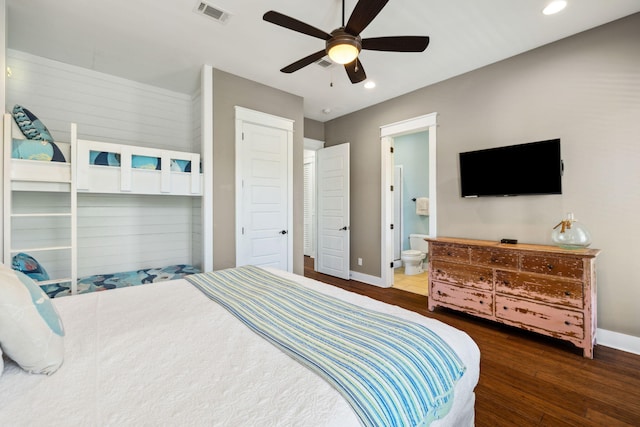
[{"x": 412, "y": 152}]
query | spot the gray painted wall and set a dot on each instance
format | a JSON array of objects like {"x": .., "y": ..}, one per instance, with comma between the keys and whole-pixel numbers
[
  {"x": 313, "y": 129},
  {"x": 584, "y": 89},
  {"x": 231, "y": 91}
]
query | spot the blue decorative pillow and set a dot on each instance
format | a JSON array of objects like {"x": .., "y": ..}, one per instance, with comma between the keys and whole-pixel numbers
[
  {"x": 145, "y": 162},
  {"x": 180, "y": 165},
  {"x": 28, "y": 265},
  {"x": 30, "y": 125},
  {"x": 31, "y": 331},
  {"x": 104, "y": 158},
  {"x": 31, "y": 149}
]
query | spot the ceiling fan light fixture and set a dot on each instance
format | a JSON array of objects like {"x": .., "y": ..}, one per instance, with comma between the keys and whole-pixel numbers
[
  {"x": 342, "y": 47},
  {"x": 343, "y": 53}
]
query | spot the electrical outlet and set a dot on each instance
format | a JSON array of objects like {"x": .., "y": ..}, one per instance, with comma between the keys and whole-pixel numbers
[{"x": 359, "y": 261}]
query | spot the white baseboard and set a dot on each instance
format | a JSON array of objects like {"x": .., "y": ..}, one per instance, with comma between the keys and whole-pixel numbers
[
  {"x": 365, "y": 278},
  {"x": 618, "y": 341}
]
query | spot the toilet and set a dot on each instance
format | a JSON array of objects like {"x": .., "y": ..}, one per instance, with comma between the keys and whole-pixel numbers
[{"x": 413, "y": 258}]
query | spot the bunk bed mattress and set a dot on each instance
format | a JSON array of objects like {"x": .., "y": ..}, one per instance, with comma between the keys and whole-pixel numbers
[
  {"x": 103, "y": 282},
  {"x": 166, "y": 354}
]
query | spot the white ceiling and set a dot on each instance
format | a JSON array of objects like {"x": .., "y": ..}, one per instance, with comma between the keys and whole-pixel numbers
[{"x": 164, "y": 43}]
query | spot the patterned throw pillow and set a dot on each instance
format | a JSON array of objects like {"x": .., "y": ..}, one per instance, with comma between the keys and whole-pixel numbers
[
  {"x": 28, "y": 265},
  {"x": 31, "y": 331},
  {"x": 30, "y": 125}
]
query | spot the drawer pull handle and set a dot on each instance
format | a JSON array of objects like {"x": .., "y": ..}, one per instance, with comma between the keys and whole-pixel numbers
[
  {"x": 494, "y": 260},
  {"x": 505, "y": 308},
  {"x": 567, "y": 293},
  {"x": 448, "y": 253},
  {"x": 506, "y": 282},
  {"x": 481, "y": 279},
  {"x": 481, "y": 302},
  {"x": 439, "y": 293},
  {"x": 566, "y": 322},
  {"x": 550, "y": 266},
  {"x": 439, "y": 271}
]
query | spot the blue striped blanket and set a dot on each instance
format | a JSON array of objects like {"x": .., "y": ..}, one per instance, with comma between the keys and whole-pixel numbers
[{"x": 392, "y": 372}]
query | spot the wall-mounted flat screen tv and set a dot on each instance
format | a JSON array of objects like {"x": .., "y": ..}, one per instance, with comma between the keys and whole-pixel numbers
[{"x": 524, "y": 169}]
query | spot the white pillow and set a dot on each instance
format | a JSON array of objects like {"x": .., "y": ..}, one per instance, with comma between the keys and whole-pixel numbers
[{"x": 31, "y": 332}]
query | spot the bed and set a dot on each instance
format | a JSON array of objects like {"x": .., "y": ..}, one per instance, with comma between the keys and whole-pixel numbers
[{"x": 165, "y": 354}]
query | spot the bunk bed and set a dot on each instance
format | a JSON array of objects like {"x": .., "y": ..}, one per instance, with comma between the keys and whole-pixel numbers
[{"x": 128, "y": 170}]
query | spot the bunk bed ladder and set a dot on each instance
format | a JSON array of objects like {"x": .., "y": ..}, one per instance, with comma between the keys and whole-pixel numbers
[{"x": 10, "y": 212}]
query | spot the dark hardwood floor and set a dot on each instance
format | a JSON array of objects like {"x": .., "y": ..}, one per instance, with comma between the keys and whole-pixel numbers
[{"x": 527, "y": 379}]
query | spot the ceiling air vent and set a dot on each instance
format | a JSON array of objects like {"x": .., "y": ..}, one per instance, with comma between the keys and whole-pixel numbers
[
  {"x": 212, "y": 12},
  {"x": 324, "y": 62}
]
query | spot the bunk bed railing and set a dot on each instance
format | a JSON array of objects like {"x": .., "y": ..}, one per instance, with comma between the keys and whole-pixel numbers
[{"x": 126, "y": 170}]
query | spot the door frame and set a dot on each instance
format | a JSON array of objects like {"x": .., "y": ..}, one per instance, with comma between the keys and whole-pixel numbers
[
  {"x": 245, "y": 115},
  {"x": 314, "y": 145},
  {"x": 428, "y": 123}
]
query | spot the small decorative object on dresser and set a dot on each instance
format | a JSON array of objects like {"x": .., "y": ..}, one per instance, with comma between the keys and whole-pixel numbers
[
  {"x": 544, "y": 289},
  {"x": 571, "y": 234}
]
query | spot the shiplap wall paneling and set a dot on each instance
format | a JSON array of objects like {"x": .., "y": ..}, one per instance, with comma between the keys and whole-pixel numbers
[
  {"x": 116, "y": 233},
  {"x": 129, "y": 232},
  {"x": 196, "y": 234},
  {"x": 105, "y": 107},
  {"x": 38, "y": 232}
]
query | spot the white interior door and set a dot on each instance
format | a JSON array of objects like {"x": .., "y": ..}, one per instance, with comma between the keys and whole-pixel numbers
[
  {"x": 333, "y": 246},
  {"x": 264, "y": 236}
]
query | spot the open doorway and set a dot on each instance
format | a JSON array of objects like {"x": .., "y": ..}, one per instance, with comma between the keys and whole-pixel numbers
[
  {"x": 310, "y": 219},
  {"x": 389, "y": 134}
]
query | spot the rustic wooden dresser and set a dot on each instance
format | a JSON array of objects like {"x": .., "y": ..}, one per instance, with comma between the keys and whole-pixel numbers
[{"x": 545, "y": 289}]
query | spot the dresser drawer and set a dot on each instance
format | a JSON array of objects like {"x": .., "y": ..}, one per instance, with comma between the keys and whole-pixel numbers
[
  {"x": 539, "y": 317},
  {"x": 468, "y": 300},
  {"x": 494, "y": 258},
  {"x": 542, "y": 288},
  {"x": 462, "y": 274},
  {"x": 557, "y": 266},
  {"x": 449, "y": 252}
]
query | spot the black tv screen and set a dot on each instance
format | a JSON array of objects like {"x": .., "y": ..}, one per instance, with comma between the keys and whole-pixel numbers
[{"x": 523, "y": 169}]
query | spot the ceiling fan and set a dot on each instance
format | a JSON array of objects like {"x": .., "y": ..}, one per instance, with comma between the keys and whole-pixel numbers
[{"x": 343, "y": 44}]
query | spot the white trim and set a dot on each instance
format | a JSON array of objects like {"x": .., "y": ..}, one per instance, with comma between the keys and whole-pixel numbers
[
  {"x": 619, "y": 341},
  {"x": 409, "y": 126},
  {"x": 245, "y": 115},
  {"x": 427, "y": 122},
  {"x": 263, "y": 119},
  {"x": 206, "y": 120},
  {"x": 365, "y": 278},
  {"x": 313, "y": 144}
]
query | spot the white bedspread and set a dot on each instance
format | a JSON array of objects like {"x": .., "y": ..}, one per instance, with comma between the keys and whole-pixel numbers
[{"x": 141, "y": 356}]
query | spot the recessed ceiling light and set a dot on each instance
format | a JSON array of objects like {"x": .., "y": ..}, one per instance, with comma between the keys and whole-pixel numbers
[
  {"x": 554, "y": 7},
  {"x": 370, "y": 84}
]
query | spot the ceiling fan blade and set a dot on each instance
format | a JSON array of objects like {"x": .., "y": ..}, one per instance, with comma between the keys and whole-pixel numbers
[
  {"x": 362, "y": 15},
  {"x": 295, "y": 25},
  {"x": 304, "y": 62},
  {"x": 396, "y": 44},
  {"x": 355, "y": 71}
]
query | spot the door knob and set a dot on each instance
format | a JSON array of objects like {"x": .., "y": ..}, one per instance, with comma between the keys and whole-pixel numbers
[
  {"x": 343, "y": 228},
  {"x": 283, "y": 232}
]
